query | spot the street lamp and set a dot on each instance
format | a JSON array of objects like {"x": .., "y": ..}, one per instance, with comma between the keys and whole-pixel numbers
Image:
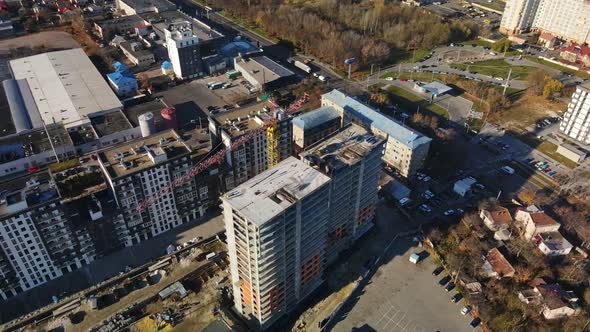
[{"x": 349, "y": 62}]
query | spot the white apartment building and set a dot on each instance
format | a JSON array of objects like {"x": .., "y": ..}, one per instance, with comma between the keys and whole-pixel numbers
[
  {"x": 276, "y": 227},
  {"x": 576, "y": 120},
  {"x": 37, "y": 241},
  {"x": 406, "y": 149},
  {"x": 352, "y": 159},
  {"x": 139, "y": 169},
  {"x": 183, "y": 50},
  {"x": 567, "y": 19}
]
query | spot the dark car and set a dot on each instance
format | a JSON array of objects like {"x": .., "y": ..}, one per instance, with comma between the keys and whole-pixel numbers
[
  {"x": 437, "y": 271},
  {"x": 444, "y": 280},
  {"x": 450, "y": 287},
  {"x": 475, "y": 322},
  {"x": 456, "y": 298}
]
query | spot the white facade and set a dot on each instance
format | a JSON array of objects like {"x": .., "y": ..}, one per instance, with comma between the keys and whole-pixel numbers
[
  {"x": 567, "y": 19},
  {"x": 576, "y": 120},
  {"x": 183, "y": 50}
]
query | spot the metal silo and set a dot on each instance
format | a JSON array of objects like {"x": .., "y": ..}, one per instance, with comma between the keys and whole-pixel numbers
[{"x": 147, "y": 124}]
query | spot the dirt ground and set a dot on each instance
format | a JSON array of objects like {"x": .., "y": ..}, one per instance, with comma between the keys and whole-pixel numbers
[
  {"x": 48, "y": 39},
  {"x": 526, "y": 111}
]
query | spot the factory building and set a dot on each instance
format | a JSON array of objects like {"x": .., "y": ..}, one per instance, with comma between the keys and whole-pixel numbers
[
  {"x": 276, "y": 234},
  {"x": 262, "y": 72}
]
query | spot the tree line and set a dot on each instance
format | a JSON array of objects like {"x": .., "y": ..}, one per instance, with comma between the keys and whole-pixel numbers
[{"x": 336, "y": 30}]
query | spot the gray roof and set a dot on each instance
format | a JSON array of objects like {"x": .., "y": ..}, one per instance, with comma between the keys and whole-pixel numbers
[
  {"x": 23, "y": 109},
  {"x": 65, "y": 86},
  {"x": 436, "y": 88},
  {"x": 398, "y": 131},
  {"x": 258, "y": 198},
  {"x": 316, "y": 117}
]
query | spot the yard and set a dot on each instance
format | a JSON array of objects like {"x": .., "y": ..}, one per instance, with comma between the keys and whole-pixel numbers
[
  {"x": 525, "y": 111},
  {"x": 550, "y": 150},
  {"x": 407, "y": 100},
  {"x": 496, "y": 68}
]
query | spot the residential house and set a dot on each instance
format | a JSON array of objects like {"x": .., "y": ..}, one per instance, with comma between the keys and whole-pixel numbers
[
  {"x": 555, "y": 302},
  {"x": 497, "y": 266},
  {"x": 547, "y": 40},
  {"x": 123, "y": 82},
  {"x": 135, "y": 52},
  {"x": 496, "y": 218},
  {"x": 535, "y": 221},
  {"x": 575, "y": 53},
  {"x": 552, "y": 244}
]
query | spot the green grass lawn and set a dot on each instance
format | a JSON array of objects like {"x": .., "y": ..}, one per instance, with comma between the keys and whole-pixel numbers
[
  {"x": 558, "y": 67},
  {"x": 496, "y": 68},
  {"x": 407, "y": 56},
  {"x": 407, "y": 100},
  {"x": 247, "y": 25}
]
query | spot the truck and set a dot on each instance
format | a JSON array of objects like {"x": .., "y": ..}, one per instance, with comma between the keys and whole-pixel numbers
[
  {"x": 302, "y": 66},
  {"x": 233, "y": 74},
  {"x": 214, "y": 85}
]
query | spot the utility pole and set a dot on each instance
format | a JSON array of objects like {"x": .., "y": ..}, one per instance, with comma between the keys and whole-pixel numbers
[
  {"x": 372, "y": 69},
  {"x": 400, "y": 71},
  {"x": 499, "y": 193},
  {"x": 507, "y": 82}
]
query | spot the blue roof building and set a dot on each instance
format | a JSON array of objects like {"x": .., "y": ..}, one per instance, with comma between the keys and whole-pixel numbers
[
  {"x": 120, "y": 67},
  {"x": 123, "y": 82},
  {"x": 406, "y": 149}
]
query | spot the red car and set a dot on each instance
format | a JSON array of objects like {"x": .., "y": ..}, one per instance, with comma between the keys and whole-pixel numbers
[{"x": 403, "y": 79}]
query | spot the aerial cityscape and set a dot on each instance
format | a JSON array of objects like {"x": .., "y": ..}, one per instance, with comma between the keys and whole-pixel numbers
[{"x": 286, "y": 165}]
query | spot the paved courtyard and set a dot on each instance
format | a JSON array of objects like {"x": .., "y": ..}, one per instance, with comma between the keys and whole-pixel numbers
[{"x": 404, "y": 297}]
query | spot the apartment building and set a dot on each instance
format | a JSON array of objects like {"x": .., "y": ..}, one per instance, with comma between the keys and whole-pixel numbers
[
  {"x": 567, "y": 19},
  {"x": 276, "y": 227},
  {"x": 352, "y": 159},
  {"x": 576, "y": 120},
  {"x": 406, "y": 149},
  {"x": 268, "y": 144},
  {"x": 37, "y": 241},
  {"x": 139, "y": 169},
  {"x": 312, "y": 126}
]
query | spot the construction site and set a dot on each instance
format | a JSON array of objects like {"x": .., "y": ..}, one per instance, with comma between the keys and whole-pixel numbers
[{"x": 186, "y": 290}]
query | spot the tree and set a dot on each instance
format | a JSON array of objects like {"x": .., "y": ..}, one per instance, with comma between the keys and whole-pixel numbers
[
  {"x": 501, "y": 45},
  {"x": 536, "y": 81},
  {"x": 552, "y": 88},
  {"x": 526, "y": 196},
  {"x": 31, "y": 25}
]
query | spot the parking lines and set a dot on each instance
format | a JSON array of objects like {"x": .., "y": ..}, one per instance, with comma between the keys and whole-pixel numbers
[{"x": 391, "y": 318}]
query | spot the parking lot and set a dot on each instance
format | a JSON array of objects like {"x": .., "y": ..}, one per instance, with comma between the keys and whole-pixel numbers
[{"x": 402, "y": 296}]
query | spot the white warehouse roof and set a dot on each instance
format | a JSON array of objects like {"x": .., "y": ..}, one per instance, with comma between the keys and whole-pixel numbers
[{"x": 66, "y": 87}]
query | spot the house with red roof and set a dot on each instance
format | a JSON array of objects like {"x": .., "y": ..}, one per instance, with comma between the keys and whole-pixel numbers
[{"x": 575, "y": 53}]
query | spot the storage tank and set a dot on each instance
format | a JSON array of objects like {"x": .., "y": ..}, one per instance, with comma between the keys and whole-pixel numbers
[
  {"x": 169, "y": 118},
  {"x": 147, "y": 124}
]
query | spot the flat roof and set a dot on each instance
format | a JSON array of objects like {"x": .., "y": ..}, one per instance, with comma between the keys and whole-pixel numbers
[
  {"x": 110, "y": 123},
  {"x": 316, "y": 117},
  {"x": 66, "y": 86},
  {"x": 291, "y": 180},
  {"x": 436, "y": 88},
  {"x": 122, "y": 20},
  {"x": 32, "y": 142},
  {"x": 161, "y": 20},
  {"x": 344, "y": 148},
  {"x": 129, "y": 48},
  {"x": 160, "y": 5},
  {"x": 238, "y": 121},
  {"x": 25, "y": 192},
  {"x": 398, "y": 131},
  {"x": 263, "y": 69},
  {"x": 136, "y": 155}
]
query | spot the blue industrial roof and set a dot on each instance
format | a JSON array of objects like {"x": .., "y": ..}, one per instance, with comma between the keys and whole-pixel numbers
[
  {"x": 166, "y": 65},
  {"x": 232, "y": 49},
  {"x": 120, "y": 67},
  {"x": 316, "y": 117},
  {"x": 401, "y": 133},
  {"x": 119, "y": 77}
]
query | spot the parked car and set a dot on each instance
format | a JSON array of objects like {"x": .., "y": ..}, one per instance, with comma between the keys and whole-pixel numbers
[
  {"x": 459, "y": 212},
  {"x": 445, "y": 280},
  {"x": 425, "y": 208},
  {"x": 449, "y": 212},
  {"x": 466, "y": 309},
  {"x": 450, "y": 287},
  {"x": 437, "y": 271},
  {"x": 456, "y": 298},
  {"x": 475, "y": 322},
  {"x": 405, "y": 201}
]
